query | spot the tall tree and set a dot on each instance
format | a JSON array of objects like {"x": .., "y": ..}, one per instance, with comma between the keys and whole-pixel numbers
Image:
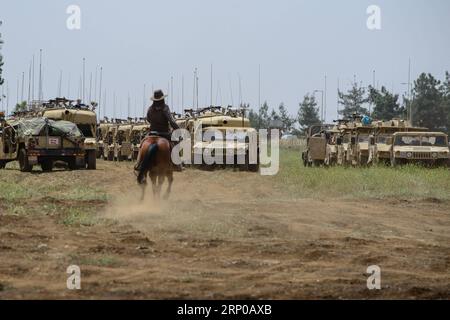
[
  {"x": 263, "y": 115},
  {"x": 353, "y": 101},
  {"x": 386, "y": 104},
  {"x": 445, "y": 89},
  {"x": 287, "y": 120},
  {"x": 427, "y": 106},
  {"x": 308, "y": 113}
]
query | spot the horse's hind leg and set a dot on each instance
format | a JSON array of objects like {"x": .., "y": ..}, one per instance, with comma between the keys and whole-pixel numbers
[
  {"x": 143, "y": 185},
  {"x": 169, "y": 187},
  {"x": 160, "y": 183},
  {"x": 154, "y": 186}
]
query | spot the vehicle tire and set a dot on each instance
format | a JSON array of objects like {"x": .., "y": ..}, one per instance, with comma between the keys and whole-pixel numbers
[
  {"x": 135, "y": 155},
  {"x": 2, "y": 164},
  {"x": 99, "y": 153},
  {"x": 47, "y": 165},
  {"x": 119, "y": 156},
  {"x": 23, "y": 161},
  {"x": 91, "y": 160},
  {"x": 394, "y": 162},
  {"x": 72, "y": 164},
  {"x": 110, "y": 156}
]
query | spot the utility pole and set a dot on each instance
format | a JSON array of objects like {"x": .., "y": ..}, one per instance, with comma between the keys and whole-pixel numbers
[
  {"x": 100, "y": 91},
  {"x": 211, "y": 86},
  {"x": 40, "y": 76},
  {"x": 29, "y": 85},
  {"x": 325, "y": 101},
  {"x": 32, "y": 84},
  {"x": 259, "y": 86},
  {"x": 182, "y": 94},
  {"x": 321, "y": 112},
  {"x": 409, "y": 92},
  {"x": 84, "y": 79}
]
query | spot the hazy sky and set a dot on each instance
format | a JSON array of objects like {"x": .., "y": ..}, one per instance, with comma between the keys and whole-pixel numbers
[{"x": 296, "y": 43}]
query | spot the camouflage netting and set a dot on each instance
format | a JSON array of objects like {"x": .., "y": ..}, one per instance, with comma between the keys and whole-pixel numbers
[{"x": 37, "y": 126}]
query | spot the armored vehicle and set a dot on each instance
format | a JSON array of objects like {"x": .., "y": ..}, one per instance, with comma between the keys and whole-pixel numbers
[
  {"x": 316, "y": 145},
  {"x": 232, "y": 130},
  {"x": 379, "y": 149},
  {"x": 429, "y": 148},
  {"x": 83, "y": 116},
  {"x": 38, "y": 140},
  {"x": 138, "y": 132},
  {"x": 109, "y": 142},
  {"x": 122, "y": 147},
  {"x": 102, "y": 131}
]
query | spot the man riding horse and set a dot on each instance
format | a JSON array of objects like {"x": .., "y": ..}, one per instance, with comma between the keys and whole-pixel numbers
[{"x": 154, "y": 156}]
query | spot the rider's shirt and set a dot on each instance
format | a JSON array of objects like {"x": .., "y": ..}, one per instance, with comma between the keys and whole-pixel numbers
[{"x": 159, "y": 117}]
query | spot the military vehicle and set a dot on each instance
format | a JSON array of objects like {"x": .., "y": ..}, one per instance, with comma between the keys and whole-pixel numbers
[
  {"x": 316, "y": 145},
  {"x": 430, "y": 148},
  {"x": 379, "y": 150},
  {"x": 138, "y": 132},
  {"x": 109, "y": 142},
  {"x": 331, "y": 153},
  {"x": 38, "y": 140},
  {"x": 102, "y": 130},
  {"x": 358, "y": 148},
  {"x": 233, "y": 130},
  {"x": 122, "y": 147},
  {"x": 82, "y": 115}
]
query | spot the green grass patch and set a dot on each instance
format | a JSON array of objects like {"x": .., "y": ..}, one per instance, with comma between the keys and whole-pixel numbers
[
  {"x": 407, "y": 182},
  {"x": 80, "y": 217}
]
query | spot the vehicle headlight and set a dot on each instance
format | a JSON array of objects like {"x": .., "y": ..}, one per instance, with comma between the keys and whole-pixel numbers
[
  {"x": 434, "y": 155},
  {"x": 409, "y": 155}
]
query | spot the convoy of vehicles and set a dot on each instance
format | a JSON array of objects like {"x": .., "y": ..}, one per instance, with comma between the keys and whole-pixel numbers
[{"x": 353, "y": 142}]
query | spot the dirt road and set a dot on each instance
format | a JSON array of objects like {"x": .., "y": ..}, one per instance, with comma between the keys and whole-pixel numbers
[{"x": 222, "y": 234}]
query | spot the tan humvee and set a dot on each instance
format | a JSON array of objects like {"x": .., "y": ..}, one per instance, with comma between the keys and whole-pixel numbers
[
  {"x": 232, "y": 135},
  {"x": 316, "y": 145},
  {"x": 379, "y": 150},
  {"x": 122, "y": 146},
  {"x": 423, "y": 147},
  {"x": 83, "y": 116},
  {"x": 102, "y": 130},
  {"x": 138, "y": 132},
  {"x": 38, "y": 140},
  {"x": 109, "y": 141}
]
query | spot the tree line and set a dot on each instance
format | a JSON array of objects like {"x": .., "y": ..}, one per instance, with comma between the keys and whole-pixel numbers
[{"x": 428, "y": 105}]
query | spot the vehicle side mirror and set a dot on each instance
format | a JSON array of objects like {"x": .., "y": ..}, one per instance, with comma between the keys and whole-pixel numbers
[
  {"x": 353, "y": 140},
  {"x": 372, "y": 141},
  {"x": 339, "y": 141}
]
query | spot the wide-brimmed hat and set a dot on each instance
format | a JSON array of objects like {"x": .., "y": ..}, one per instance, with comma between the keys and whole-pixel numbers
[{"x": 158, "y": 95}]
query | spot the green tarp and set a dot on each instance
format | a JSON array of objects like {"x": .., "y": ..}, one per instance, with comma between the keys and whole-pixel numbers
[{"x": 37, "y": 126}]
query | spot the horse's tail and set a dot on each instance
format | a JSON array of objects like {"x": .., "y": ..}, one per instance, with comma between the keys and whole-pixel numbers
[{"x": 146, "y": 162}]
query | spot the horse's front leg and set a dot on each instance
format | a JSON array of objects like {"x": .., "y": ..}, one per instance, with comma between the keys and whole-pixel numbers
[{"x": 169, "y": 187}]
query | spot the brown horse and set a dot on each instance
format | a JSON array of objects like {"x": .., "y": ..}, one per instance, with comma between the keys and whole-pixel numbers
[{"x": 154, "y": 157}]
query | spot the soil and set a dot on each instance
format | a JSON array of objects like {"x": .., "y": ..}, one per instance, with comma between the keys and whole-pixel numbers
[{"x": 224, "y": 234}]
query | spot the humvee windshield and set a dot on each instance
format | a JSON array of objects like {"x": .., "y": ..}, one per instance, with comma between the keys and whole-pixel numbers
[
  {"x": 363, "y": 138},
  {"x": 382, "y": 138},
  {"x": 430, "y": 141},
  {"x": 86, "y": 130}
]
